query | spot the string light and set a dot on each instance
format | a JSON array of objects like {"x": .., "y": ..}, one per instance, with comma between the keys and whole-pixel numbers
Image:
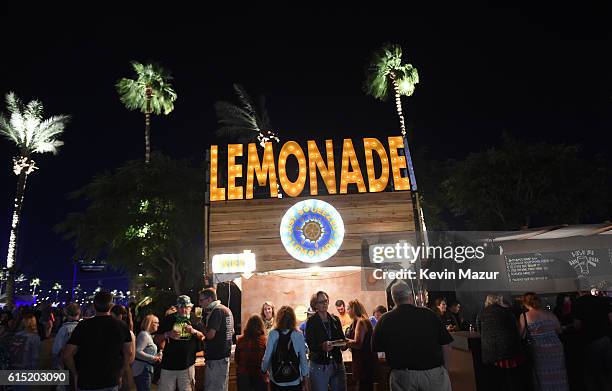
[
  {"x": 233, "y": 171},
  {"x": 261, "y": 171},
  {"x": 376, "y": 184},
  {"x": 315, "y": 161},
  {"x": 293, "y": 189},
  {"x": 264, "y": 169},
  {"x": 216, "y": 194},
  {"x": 397, "y": 163},
  {"x": 349, "y": 162}
]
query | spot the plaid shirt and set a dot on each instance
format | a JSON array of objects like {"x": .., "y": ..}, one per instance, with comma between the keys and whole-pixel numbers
[{"x": 249, "y": 354}]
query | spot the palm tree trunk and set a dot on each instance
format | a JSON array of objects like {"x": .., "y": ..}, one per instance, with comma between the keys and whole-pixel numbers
[
  {"x": 417, "y": 211},
  {"x": 398, "y": 105},
  {"x": 148, "y": 93},
  {"x": 12, "y": 248}
]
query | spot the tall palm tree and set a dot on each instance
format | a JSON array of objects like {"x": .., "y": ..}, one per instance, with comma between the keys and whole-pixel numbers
[
  {"x": 386, "y": 71},
  {"x": 31, "y": 134},
  {"x": 151, "y": 93},
  {"x": 246, "y": 121}
]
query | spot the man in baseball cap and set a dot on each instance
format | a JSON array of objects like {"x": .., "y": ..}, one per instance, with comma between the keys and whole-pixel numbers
[
  {"x": 183, "y": 301},
  {"x": 179, "y": 341}
]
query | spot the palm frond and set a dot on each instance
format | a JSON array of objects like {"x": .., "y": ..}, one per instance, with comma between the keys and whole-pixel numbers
[
  {"x": 245, "y": 99},
  {"x": 245, "y": 120},
  {"x": 386, "y": 65},
  {"x": 133, "y": 92},
  {"x": 230, "y": 114},
  {"x": 28, "y": 130},
  {"x": 13, "y": 103},
  {"x": 262, "y": 115}
]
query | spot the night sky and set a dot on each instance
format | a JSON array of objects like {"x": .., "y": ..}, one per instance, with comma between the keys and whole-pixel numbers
[{"x": 540, "y": 75}]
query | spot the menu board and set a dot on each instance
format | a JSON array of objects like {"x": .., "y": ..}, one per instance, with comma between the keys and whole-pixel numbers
[{"x": 578, "y": 263}]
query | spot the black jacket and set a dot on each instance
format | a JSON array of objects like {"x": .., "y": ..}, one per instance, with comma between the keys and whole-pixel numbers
[
  {"x": 316, "y": 335},
  {"x": 499, "y": 334}
]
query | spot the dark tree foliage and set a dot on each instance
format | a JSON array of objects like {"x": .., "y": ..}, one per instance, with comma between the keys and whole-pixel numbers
[
  {"x": 527, "y": 185},
  {"x": 145, "y": 219}
]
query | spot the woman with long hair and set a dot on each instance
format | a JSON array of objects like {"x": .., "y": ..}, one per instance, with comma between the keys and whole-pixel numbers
[
  {"x": 146, "y": 354},
  {"x": 31, "y": 343},
  {"x": 267, "y": 315},
  {"x": 250, "y": 349},
  {"x": 359, "y": 335},
  {"x": 120, "y": 313},
  {"x": 546, "y": 349},
  {"x": 286, "y": 337}
]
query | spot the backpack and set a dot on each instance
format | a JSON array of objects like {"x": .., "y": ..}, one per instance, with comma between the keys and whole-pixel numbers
[{"x": 285, "y": 361}]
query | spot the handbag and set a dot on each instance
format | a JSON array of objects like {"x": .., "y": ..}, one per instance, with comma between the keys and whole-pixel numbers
[{"x": 527, "y": 339}]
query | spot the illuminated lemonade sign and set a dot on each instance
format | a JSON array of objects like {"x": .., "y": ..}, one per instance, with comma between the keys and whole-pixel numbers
[
  {"x": 312, "y": 231},
  {"x": 270, "y": 169}
]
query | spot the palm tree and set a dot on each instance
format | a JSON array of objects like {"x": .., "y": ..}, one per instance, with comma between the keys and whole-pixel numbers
[
  {"x": 34, "y": 283},
  {"x": 243, "y": 121},
  {"x": 31, "y": 134},
  {"x": 151, "y": 93},
  {"x": 386, "y": 70},
  {"x": 57, "y": 287}
]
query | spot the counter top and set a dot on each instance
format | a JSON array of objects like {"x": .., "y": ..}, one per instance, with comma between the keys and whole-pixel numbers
[{"x": 462, "y": 339}]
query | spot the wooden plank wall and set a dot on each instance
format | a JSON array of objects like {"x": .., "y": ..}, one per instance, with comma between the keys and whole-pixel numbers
[{"x": 254, "y": 225}]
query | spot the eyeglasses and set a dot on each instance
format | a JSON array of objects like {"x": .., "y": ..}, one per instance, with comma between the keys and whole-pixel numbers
[{"x": 323, "y": 302}]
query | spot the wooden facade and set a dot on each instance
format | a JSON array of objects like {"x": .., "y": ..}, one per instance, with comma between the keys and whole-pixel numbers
[{"x": 238, "y": 225}]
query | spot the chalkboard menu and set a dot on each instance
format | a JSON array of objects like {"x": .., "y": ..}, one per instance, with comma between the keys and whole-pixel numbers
[{"x": 577, "y": 263}]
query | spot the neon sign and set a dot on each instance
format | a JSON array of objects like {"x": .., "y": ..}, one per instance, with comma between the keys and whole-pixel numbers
[{"x": 269, "y": 169}]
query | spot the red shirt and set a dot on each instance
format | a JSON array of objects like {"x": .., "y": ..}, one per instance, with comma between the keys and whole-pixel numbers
[{"x": 249, "y": 354}]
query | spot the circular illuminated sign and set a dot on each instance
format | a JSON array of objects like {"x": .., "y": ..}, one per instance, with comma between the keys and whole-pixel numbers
[{"x": 312, "y": 231}]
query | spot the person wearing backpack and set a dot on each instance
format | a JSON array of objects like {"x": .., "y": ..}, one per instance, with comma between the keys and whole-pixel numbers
[{"x": 285, "y": 356}]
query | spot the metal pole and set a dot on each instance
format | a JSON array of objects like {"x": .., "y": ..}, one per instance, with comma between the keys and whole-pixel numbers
[
  {"x": 206, "y": 212},
  {"x": 421, "y": 232},
  {"x": 74, "y": 273}
]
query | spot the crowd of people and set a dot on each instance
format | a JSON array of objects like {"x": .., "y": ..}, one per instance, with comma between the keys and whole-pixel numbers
[
  {"x": 523, "y": 345},
  {"x": 526, "y": 346},
  {"x": 308, "y": 356}
]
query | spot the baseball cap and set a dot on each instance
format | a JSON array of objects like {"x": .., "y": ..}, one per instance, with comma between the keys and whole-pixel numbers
[{"x": 183, "y": 301}]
